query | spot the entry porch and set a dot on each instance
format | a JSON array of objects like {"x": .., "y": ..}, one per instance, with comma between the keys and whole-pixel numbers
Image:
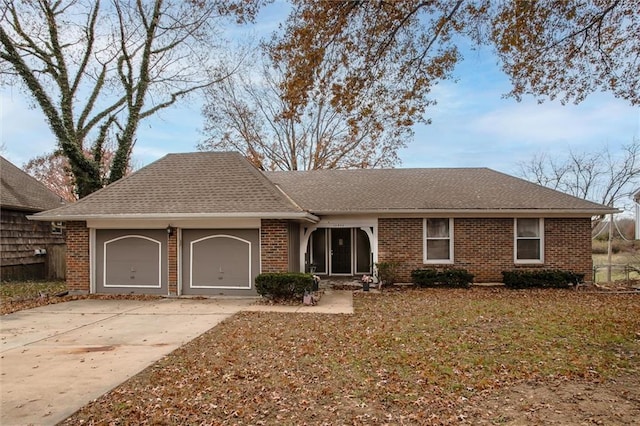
[{"x": 339, "y": 249}]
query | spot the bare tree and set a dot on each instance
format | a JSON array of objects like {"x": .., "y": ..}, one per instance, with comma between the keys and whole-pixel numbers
[
  {"x": 248, "y": 113},
  {"x": 97, "y": 69},
  {"x": 602, "y": 176}
]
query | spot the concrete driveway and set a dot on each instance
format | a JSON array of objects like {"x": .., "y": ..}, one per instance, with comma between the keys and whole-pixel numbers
[{"x": 56, "y": 358}]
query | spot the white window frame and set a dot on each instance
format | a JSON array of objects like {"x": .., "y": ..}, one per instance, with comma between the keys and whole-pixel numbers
[
  {"x": 57, "y": 227},
  {"x": 424, "y": 242},
  {"x": 539, "y": 237}
]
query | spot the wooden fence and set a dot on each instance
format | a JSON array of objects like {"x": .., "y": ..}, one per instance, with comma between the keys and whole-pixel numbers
[{"x": 56, "y": 262}]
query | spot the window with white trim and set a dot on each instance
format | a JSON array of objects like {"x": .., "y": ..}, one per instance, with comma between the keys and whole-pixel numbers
[
  {"x": 529, "y": 240},
  {"x": 56, "y": 228},
  {"x": 438, "y": 240}
]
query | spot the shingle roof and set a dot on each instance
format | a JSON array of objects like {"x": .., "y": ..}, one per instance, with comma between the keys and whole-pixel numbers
[
  {"x": 225, "y": 184},
  {"x": 406, "y": 190},
  {"x": 186, "y": 185},
  {"x": 20, "y": 191}
]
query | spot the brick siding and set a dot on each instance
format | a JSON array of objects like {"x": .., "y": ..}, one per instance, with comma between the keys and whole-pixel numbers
[
  {"x": 274, "y": 245},
  {"x": 485, "y": 246},
  {"x": 482, "y": 246},
  {"x": 172, "y": 254},
  {"x": 78, "y": 269}
]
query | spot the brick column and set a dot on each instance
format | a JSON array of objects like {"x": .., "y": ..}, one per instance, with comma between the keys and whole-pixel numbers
[
  {"x": 274, "y": 245},
  {"x": 78, "y": 261},
  {"x": 172, "y": 254}
]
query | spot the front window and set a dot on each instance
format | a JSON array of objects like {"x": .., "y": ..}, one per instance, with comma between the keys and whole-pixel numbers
[
  {"x": 438, "y": 241},
  {"x": 529, "y": 240}
]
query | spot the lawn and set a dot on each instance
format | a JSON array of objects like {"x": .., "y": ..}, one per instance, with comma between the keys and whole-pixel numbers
[
  {"x": 625, "y": 253},
  {"x": 619, "y": 271},
  {"x": 431, "y": 356},
  {"x": 15, "y": 296}
]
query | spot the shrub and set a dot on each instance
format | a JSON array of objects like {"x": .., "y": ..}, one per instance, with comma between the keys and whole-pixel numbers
[
  {"x": 449, "y": 277},
  {"x": 388, "y": 272},
  {"x": 283, "y": 285},
  {"x": 543, "y": 278}
]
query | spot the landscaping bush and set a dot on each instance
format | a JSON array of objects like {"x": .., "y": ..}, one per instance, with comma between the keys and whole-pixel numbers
[
  {"x": 449, "y": 277},
  {"x": 283, "y": 285},
  {"x": 543, "y": 278},
  {"x": 388, "y": 272}
]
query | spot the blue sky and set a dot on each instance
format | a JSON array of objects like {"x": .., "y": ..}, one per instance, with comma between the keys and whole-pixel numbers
[{"x": 472, "y": 124}]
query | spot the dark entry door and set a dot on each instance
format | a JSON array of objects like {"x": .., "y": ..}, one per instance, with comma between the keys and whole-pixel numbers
[{"x": 341, "y": 251}]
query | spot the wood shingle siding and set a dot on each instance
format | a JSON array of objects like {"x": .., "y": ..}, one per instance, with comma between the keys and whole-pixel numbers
[{"x": 20, "y": 196}]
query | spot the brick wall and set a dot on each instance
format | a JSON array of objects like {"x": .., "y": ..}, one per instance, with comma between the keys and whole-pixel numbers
[
  {"x": 274, "y": 245},
  {"x": 485, "y": 246},
  {"x": 400, "y": 240},
  {"x": 78, "y": 268},
  {"x": 568, "y": 245}
]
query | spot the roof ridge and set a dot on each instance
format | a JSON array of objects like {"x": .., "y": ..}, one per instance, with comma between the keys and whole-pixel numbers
[
  {"x": 355, "y": 170},
  {"x": 277, "y": 191},
  {"x": 545, "y": 188}
]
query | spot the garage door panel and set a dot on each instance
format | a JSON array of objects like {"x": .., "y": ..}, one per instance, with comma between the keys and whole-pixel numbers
[
  {"x": 131, "y": 261},
  {"x": 223, "y": 261}
]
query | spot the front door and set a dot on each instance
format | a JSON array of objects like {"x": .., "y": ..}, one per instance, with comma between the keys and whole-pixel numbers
[{"x": 340, "y": 251}]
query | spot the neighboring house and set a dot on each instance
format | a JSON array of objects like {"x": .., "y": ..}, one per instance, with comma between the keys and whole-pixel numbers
[
  {"x": 636, "y": 199},
  {"x": 208, "y": 223},
  {"x": 26, "y": 247}
]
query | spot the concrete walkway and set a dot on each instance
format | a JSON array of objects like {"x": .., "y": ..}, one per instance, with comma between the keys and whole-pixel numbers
[
  {"x": 331, "y": 302},
  {"x": 57, "y": 358}
]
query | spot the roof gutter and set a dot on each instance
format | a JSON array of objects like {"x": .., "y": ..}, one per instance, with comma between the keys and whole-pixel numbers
[
  {"x": 243, "y": 215},
  {"x": 473, "y": 212}
]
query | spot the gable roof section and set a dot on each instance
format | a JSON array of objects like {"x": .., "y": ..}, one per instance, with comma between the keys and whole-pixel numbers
[
  {"x": 472, "y": 190},
  {"x": 20, "y": 191},
  {"x": 188, "y": 185}
]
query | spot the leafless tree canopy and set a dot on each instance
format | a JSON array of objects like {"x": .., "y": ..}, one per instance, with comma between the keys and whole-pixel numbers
[
  {"x": 605, "y": 177},
  {"x": 96, "y": 69},
  {"x": 249, "y": 113}
]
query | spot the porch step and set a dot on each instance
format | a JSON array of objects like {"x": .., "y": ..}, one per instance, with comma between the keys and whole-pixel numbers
[{"x": 344, "y": 283}]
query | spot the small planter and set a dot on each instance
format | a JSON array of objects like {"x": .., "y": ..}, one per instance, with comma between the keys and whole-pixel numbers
[{"x": 366, "y": 282}]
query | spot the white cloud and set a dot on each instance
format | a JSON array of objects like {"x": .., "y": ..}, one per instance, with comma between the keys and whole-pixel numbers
[
  {"x": 551, "y": 123},
  {"x": 473, "y": 125}
]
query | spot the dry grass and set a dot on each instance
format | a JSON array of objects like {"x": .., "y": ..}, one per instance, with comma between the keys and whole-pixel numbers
[
  {"x": 626, "y": 253},
  {"x": 414, "y": 357},
  {"x": 15, "y": 296}
]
